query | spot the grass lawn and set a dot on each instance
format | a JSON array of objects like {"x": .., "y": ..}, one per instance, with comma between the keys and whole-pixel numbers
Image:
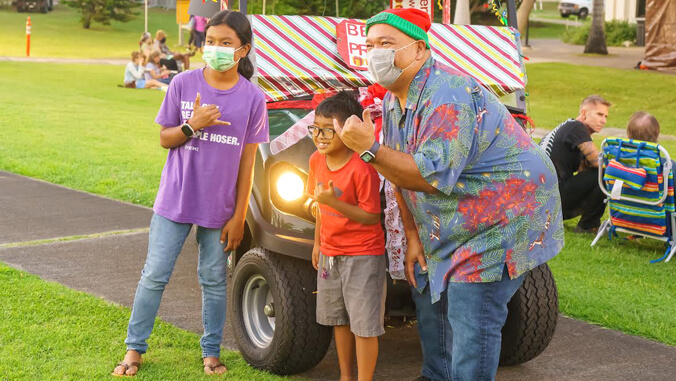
[
  {"x": 75, "y": 127},
  {"x": 50, "y": 332},
  {"x": 60, "y": 34},
  {"x": 556, "y": 90},
  {"x": 545, "y": 30}
]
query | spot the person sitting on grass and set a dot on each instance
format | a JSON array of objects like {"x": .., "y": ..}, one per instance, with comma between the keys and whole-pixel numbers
[
  {"x": 154, "y": 70},
  {"x": 349, "y": 241},
  {"x": 169, "y": 58},
  {"x": 643, "y": 126},
  {"x": 145, "y": 46},
  {"x": 133, "y": 75},
  {"x": 212, "y": 121},
  {"x": 575, "y": 157}
]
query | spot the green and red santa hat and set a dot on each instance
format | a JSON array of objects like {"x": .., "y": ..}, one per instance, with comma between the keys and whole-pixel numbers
[{"x": 410, "y": 21}]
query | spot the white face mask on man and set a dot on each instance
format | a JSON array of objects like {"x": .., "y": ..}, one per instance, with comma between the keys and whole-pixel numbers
[{"x": 381, "y": 65}]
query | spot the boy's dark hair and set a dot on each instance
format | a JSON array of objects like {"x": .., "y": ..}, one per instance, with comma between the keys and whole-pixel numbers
[
  {"x": 340, "y": 106},
  {"x": 240, "y": 24}
]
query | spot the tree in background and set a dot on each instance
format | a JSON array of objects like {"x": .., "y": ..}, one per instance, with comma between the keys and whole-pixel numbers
[
  {"x": 103, "y": 11},
  {"x": 523, "y": 14},
  {"x": 359, "y": 9},
  {"x": 597, "y": 36}
]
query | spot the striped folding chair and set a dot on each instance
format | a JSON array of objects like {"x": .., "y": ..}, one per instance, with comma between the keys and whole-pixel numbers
[{"x": 638, "y": 180}]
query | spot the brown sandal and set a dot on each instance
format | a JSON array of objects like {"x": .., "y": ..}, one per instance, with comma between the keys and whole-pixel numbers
[
  {"x": 214, "y": 366},
  {"x": 126, "y": 368}
]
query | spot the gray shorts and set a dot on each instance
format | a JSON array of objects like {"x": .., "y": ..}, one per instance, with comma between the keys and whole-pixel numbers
[{"x": 351, "y": 291}]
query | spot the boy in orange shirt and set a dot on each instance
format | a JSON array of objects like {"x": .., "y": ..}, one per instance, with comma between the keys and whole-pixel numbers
[{"x": 349, "y": 241}]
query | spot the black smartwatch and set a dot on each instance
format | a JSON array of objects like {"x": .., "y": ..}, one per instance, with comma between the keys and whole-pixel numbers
[
  {"x": 187, "y": 130},
  {"x": 369, "y": 155}
]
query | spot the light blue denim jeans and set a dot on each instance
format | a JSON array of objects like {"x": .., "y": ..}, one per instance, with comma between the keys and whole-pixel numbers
[
  {"x": 165, "y": 244},
  {"x": 461, "y": 334}
]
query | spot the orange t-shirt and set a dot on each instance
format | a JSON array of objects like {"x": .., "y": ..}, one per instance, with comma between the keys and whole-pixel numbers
[{"x": 356, "y": 183}]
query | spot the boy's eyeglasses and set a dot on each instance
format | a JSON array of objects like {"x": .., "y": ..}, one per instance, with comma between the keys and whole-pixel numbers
[{"x": 327, "y": 133}]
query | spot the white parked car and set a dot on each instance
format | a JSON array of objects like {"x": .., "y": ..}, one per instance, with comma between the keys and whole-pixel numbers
[{"x": 580, "y": 8}]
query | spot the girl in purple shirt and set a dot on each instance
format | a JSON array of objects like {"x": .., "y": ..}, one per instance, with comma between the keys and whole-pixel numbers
[{"x": 212, "y": 120}]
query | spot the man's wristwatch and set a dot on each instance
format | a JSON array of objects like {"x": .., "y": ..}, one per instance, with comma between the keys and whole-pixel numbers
[
  {"x": 187, "y": 130},
  {"x": 369, "y": 155}
]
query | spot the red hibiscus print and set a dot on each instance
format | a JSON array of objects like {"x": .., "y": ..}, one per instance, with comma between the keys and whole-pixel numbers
[
  {"x": 465, "y": 266},
  {"x": 444, "y": 121},
  {"x": 491, "y": 205},
  {"x": 511, "y": 263}
]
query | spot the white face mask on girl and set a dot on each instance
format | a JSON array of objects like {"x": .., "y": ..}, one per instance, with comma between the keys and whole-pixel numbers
[{"x": 381, "y": 65}]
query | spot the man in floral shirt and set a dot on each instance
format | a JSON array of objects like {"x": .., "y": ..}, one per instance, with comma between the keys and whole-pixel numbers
[{"x": 483, "y": 196}]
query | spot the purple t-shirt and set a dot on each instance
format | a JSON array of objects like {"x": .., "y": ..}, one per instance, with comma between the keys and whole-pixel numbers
[{"x": 199, "y": 179}]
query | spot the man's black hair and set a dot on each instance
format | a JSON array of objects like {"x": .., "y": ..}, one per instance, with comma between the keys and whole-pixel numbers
[{"x": 340, "y": 106}]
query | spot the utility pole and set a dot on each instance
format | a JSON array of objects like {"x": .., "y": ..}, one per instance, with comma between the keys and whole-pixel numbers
[
  {"x": 337, "y": 12},
  {"x": 263, "y": 6}
]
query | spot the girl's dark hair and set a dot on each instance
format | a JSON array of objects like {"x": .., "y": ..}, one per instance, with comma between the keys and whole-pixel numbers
[
  {"x": 340, "y": 106},
  {"x": 240, "y": 24}
]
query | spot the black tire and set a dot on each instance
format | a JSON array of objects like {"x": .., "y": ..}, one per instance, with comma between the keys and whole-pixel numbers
[
  {"x": 583, "y": 13},
  {"x": 565, "y": 15},
  {"x": 531, "y": 322},
  {"x": 298, "y": 343}
]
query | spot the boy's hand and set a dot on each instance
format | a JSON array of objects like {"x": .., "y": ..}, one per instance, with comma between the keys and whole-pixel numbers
[
  {"x": 325, "y": 195},
  {"x": 204, "y": 116},
  {"x": 414, "y": 253},
  {"x": 315, "y": 257}
]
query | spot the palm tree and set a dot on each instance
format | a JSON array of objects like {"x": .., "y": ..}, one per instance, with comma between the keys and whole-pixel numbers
[
  {"x": 596, "y": 43},
  {"x": 523, "y": 14}
]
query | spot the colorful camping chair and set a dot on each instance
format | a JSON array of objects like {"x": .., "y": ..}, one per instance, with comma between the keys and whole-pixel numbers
[{"x": 637, "y": 177}]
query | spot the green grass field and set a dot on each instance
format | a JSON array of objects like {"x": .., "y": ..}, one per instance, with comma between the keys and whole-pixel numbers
[
  {"x": 90, "y": 135},
  {"x": 545, "y": 30},
  {"x": 50, "y": 332},
  {"x": 60, "y": 34},
  {"x": 555, "y": 91}
]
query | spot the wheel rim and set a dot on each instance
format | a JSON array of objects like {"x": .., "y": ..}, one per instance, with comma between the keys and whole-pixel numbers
[{"x": 258, "y": 311}]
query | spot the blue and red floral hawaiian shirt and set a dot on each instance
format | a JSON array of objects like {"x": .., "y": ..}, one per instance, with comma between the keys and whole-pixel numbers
[{"x": 498, "y": 202}]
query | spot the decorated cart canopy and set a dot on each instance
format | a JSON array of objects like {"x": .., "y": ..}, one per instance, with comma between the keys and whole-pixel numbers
[{"x": 299, "y": 55}]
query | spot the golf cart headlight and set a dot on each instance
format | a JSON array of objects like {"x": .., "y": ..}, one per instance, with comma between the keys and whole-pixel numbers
[{"x": 290, "y": 186}]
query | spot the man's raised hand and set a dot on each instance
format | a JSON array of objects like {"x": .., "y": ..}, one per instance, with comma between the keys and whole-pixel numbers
[
  {"x": 205, "y": 116},
  {"x": 357, "y": 134}
]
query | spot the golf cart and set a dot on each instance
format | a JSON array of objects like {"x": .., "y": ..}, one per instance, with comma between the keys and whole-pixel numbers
[{"x": 272, "y": 296}]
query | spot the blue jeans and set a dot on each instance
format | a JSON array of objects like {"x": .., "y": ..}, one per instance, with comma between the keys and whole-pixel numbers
[
  {"x": 165, "y": 244},
  {"x": 461, "y": 333}
]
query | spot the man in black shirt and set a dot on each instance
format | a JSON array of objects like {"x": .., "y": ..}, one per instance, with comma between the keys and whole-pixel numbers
[{"x": 575, "y": 158}]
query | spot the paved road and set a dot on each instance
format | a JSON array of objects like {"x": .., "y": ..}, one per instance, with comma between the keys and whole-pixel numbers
[
  {"x": 554, "y": 50},
  {"x": 109, "y": 267}
]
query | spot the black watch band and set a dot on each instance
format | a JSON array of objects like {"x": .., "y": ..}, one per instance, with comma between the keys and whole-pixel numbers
[{"x": 187, "y": 130}]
